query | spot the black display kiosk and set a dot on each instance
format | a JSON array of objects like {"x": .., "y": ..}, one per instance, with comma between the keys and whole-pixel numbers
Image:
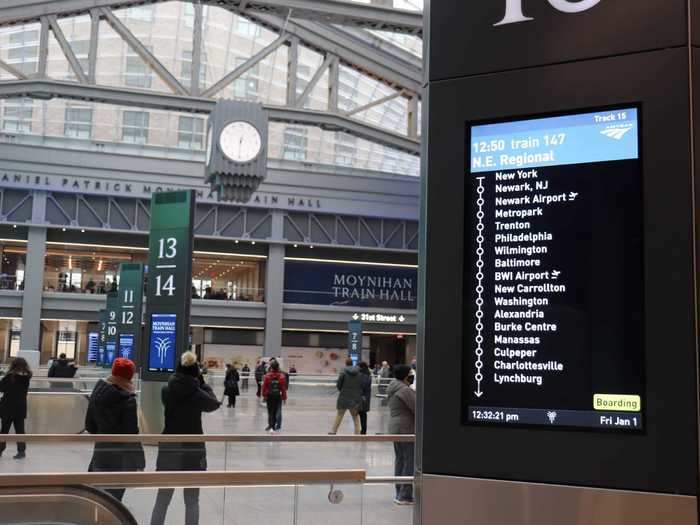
[{"x": 558, "y": 337}]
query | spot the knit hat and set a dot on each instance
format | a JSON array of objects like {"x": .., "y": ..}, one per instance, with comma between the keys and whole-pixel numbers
[
  {"x": 188, "y": 364},
  {"x": 124, "y": 368}
]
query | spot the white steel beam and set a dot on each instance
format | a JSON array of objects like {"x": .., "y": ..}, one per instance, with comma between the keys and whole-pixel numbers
[
  {"x": 67, "y": 49},
  {"x": 141, "y": 50},
  {"x": 341, "y": 12},
  {"x": 47, "y": 89},
  {"x": 245, "y": 66}
]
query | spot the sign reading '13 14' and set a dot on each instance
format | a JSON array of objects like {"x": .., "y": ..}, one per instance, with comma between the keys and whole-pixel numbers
[{"x": 169, "y": 283}]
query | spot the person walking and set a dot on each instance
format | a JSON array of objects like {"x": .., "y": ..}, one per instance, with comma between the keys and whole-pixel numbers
[
  {"x": 349, "y": 386},
  {"x": 366, "y": 395},
  {"x": 113, "y": 410},
  {"x": 259, "y": 376},
  {"x": 185, "y": 397},
  {"x": 245, "y": 376},
  {"x": 384, "y": 377},
  {"x": 13, "y": 405},
  {"x": 61, "y": 368},
  {"x": 231, "y": 385},
  {"x": 402, "y": 418},
  {"x": 274, "y": 391}
]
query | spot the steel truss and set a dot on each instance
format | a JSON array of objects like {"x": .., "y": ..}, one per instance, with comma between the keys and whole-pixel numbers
[
  {"x": 48, "y": 89},
  {"x": 132, "y": 215},
  {"x": 338, "y": 47}
]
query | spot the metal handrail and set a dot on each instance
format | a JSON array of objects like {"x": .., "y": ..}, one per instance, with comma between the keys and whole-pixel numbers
[
  {"x": 209, "y": 438},
  {"x": 178, "y": 479}
]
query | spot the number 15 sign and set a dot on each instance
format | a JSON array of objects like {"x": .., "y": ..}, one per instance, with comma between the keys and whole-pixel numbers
[{"x": 169, "y": 288}]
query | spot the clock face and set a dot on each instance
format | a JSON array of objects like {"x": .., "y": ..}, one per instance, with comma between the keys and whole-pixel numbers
[{"x": 240, "y": 141}]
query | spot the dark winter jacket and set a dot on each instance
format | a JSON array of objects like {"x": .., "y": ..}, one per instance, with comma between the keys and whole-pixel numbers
[
  {"x": 402, "y": 408},
  {"x": 350, "y": 387},
  {"x": 62, "y": 368},
  {"x": 231, "y": 383},
  {"x": 260, "y": 372},
  {"x": 185, "y": 399},
  {"x": 366, "y": 389},
  {"x": 14, "y": 387},
  {"x": 113, "y": 410}
]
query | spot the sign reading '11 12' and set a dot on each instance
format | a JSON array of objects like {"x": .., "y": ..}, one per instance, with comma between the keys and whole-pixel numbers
[{"x": 169, "y": 283}]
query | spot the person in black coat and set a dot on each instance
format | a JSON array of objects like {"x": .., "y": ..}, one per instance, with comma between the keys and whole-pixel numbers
[
  {"x": 113, "y": 410},
  {"x": 366, "y": 396},
  {"x": 62, "y": 368},
  {"x": 13, "y": 406},
  {"x": 185, "y": 397},
  {"x": 245, "y": 373},
  {"x": 231, "y": 385},
  {"x": 260, "y": 372}
]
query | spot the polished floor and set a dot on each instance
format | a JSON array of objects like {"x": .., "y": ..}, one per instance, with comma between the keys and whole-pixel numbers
[{"x": 310, "y": 410}]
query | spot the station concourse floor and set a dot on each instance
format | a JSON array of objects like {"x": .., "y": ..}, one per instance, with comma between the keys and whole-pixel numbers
[{"x": 310, "y": 410}]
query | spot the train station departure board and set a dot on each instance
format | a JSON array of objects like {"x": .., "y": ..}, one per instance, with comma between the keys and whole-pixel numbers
[{"x": 553, "y": 277}]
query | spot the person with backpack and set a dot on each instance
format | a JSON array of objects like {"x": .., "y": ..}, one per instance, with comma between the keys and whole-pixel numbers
[
  {"x": 274, "y": 391},
  {"x": 113, "y": 410},
  {"x": 13, "y": 406},
  {"x": 231, "y": 385}
]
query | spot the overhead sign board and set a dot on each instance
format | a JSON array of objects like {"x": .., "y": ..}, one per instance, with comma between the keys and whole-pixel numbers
[{"x": 555, "y": 321}]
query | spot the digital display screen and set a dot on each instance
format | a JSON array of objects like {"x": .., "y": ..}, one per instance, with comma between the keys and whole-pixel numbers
[
  {"x": 111, "y": 352},
  {"x": 553, "y": 275},
  {"x": 161, "y": 351},
  {"x": 93, "y": 346},
  {"x": 126, "y": 346}
]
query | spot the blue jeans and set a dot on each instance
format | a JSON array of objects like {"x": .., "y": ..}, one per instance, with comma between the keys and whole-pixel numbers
[{"x": 403, "y": 466}]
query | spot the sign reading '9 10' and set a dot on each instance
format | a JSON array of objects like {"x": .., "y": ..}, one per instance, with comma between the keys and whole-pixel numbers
[{"x": 169, "y": 282}]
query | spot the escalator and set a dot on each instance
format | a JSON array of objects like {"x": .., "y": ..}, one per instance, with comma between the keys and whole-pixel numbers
[{"x": 71, "y": 505}]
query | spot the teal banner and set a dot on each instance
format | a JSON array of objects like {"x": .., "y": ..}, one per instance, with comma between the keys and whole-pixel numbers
[
  {"x": 130, "y": 310},
  {"x": 169, "y": 283}
]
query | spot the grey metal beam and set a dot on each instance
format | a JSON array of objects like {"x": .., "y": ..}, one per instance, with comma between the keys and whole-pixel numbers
[
  {"x": 313, "y": 82},
  {"x": 141, "y": 50},
  {"x": 245, "y": 66},
  {"x": 329, "y": 11},
  {"x": 94, "y": 42},
  {"x": 333, "y": 84},
  {"x": 374, "y": 61},
  {"x": 353, "y": 52},
  {"x": 67, "y": 49},
  {"x": 374, "y": 103},
  {"x": 47, "y": 89},
  {"x": 197, "y": 48},
  {"x": 413, "y": 115},
  {"x": 12, "y": 70},
  {"x": 292, "y": 71},
  {"x": 43, "y": 48}
]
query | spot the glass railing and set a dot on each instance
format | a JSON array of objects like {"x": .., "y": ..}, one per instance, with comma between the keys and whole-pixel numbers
[{"x": 228, "y": 492}]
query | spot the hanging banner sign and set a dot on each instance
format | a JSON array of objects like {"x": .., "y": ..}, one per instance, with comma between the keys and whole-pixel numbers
[
  {"x": 355, "y": 341},
  {"x": 130, "y": 307},
  {"x": 169, "y": 283},
  {"x": 111, "y": 335}
]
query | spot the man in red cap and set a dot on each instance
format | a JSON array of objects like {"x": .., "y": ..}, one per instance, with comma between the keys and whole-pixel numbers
[{"x": 113, "y": 410}]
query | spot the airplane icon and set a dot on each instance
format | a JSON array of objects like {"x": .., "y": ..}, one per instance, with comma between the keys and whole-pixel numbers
[{"x": 555, "y": 274}]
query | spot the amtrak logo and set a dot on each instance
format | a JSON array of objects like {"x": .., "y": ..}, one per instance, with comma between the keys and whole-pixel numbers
[{"x": 616, "y": 132}]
